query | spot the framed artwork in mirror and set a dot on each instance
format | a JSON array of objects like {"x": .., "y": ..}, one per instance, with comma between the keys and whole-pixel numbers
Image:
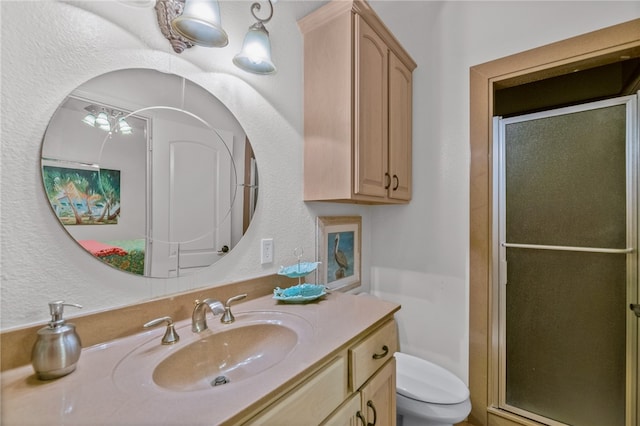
[
  {"x": 83, "y": 195},
  {"x": 338, "y": 250}
]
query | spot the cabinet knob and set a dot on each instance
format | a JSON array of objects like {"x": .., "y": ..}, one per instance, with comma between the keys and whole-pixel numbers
[
  {"x": 396, "y": 181},
  {"x": 387, "y": 179}
]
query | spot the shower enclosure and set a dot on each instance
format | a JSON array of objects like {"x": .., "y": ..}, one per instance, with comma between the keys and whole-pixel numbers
[{"x": 565, "y": 263}]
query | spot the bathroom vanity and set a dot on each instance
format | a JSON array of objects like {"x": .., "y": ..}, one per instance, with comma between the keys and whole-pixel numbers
[{"x": 330, "y": 361}]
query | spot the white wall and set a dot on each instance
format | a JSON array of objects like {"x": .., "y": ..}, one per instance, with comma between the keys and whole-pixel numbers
[
  {"x": 420, "y": 251},
  {"x": 416, "y": 254},
  {"x": 41, "y": 64}
]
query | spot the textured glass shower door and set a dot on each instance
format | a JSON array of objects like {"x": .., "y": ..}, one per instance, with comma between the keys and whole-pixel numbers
[{"x": 567, "y": 264}]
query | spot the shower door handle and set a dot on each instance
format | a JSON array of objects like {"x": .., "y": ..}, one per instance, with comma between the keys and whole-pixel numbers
[{"x": 635, "y": 307}]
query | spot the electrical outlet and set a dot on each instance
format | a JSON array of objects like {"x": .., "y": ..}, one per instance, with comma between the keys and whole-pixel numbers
[{"x": 266, "y": 251}]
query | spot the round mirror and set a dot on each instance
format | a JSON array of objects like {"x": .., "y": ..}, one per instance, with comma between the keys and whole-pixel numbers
[{"x": 149, "y": 173}]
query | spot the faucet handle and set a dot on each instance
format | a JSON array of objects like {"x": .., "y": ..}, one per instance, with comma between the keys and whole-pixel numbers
[
  {"x": 170, "y": 335},
  {"x": 227, "y": 317}
]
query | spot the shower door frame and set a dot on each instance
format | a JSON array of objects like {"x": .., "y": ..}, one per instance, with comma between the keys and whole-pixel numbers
[
  {"x": 499, "y": 246},
  {"x": 583, "y": 51}
]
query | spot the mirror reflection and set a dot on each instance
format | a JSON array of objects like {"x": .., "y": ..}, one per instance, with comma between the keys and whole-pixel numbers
[{"x": 149, "y": 173}]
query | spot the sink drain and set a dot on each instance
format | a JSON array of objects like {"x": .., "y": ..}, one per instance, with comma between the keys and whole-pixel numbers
[{"x": 220, "y": 380}]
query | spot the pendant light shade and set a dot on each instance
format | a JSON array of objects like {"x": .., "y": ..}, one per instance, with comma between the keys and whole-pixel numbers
[
  {"x": 124, "y": 127},
  {"x": 255, "y": 56},
  {"x": 89, "y": 119},
  {"x": 187, "y": 23},
  {"x": 108, "y": 119},
  {"x": 200, "y": 23},
  {"x": 103, "y": 121}
]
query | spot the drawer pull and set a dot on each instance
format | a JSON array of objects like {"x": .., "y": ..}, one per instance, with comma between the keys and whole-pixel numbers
[
  {"x": 361, "y": 417},
  {"x": 385, "y": 352},
  {"x": 375, "y": 414}
]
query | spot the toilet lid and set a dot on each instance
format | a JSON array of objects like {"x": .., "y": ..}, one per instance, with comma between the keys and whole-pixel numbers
[{"x": 422, "y": 380}]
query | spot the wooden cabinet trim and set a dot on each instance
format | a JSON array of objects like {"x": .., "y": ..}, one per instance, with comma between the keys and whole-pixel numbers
[
  {"x": 324, "y": 14},
  {"x": 320, "y": 388},
  {"x": 362, "y": 8},
  {"x": 400, "y": 129},
  {"x": 380, "y": 390},
  {"x": 328, "y": 119},
  {"x": 346, "y": 414},
  {"x": 371, "y": 131}
]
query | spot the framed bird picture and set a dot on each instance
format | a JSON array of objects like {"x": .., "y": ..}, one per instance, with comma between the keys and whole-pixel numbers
[{"x": 338, "y": 250}]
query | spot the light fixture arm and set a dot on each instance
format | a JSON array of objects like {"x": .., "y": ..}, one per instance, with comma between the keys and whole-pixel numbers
[
  {"x": 167, "y": 11},
  {"x": 255, "y": 7}
]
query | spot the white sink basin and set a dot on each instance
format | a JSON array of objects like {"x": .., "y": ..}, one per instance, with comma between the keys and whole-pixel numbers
[
  {"x": 216, "y": 358},
  {"x": 225, "y": 357}
]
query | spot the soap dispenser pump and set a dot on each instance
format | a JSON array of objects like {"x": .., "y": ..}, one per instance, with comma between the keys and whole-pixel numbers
[{"x": 57, "y": 348}]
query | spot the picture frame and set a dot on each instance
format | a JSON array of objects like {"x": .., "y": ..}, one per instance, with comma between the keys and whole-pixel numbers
[
  {"x": 82, "y": 194},
  {"x": 338, "y": 248}
]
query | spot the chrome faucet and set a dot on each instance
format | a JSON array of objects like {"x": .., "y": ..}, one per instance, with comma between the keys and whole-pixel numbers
[
  {"x": 170, "y": 336},
  {"x": 199, "y": 318},
  {"x": 227, "y": 317}
]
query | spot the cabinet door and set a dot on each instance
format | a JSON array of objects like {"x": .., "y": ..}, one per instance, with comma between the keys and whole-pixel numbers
[
  {"x": 347, "y": 414},
  {"x": 379, "y": 396},
  {"x": 310, "y": 402},
  {"x": 371, "y": 103},
  {"x": 400, "y": 127}
]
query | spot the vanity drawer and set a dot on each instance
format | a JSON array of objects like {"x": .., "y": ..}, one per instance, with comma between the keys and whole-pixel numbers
[
  {"x": 315, "y": 399},
  {"x": 367, "y": 356}
]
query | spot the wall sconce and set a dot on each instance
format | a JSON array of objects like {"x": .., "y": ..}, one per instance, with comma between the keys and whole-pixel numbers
[
  {"x": 200, "y": 23},
  {"x": 255, "y": 55},
  {"x": 107, "y": 119},
  {"x": 186, "y": 23}
]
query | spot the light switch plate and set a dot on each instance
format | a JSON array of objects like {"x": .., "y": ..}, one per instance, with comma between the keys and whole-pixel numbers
[{"x": 266, "y": 250}]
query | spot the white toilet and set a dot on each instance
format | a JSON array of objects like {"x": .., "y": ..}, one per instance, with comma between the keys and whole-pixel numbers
[{"x": 427, "y": 394}]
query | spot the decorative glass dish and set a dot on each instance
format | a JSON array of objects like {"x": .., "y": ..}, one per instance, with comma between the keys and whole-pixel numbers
[
  {"x": 299, "y": 269},
  {"x": 300, "y": 293}
]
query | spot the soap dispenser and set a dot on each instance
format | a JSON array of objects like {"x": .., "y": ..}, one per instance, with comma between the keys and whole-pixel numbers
[{"x": 57, "y": 348}]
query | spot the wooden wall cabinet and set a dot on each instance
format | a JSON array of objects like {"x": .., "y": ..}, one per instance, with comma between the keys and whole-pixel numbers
[{"x": 357, "y": 107}]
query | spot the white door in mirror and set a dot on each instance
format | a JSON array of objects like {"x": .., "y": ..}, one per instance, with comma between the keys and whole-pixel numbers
[{"x": 191, "y": 198}]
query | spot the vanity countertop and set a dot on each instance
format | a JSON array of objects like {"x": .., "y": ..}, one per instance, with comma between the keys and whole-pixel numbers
[{"x": 90, "y": 395}]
